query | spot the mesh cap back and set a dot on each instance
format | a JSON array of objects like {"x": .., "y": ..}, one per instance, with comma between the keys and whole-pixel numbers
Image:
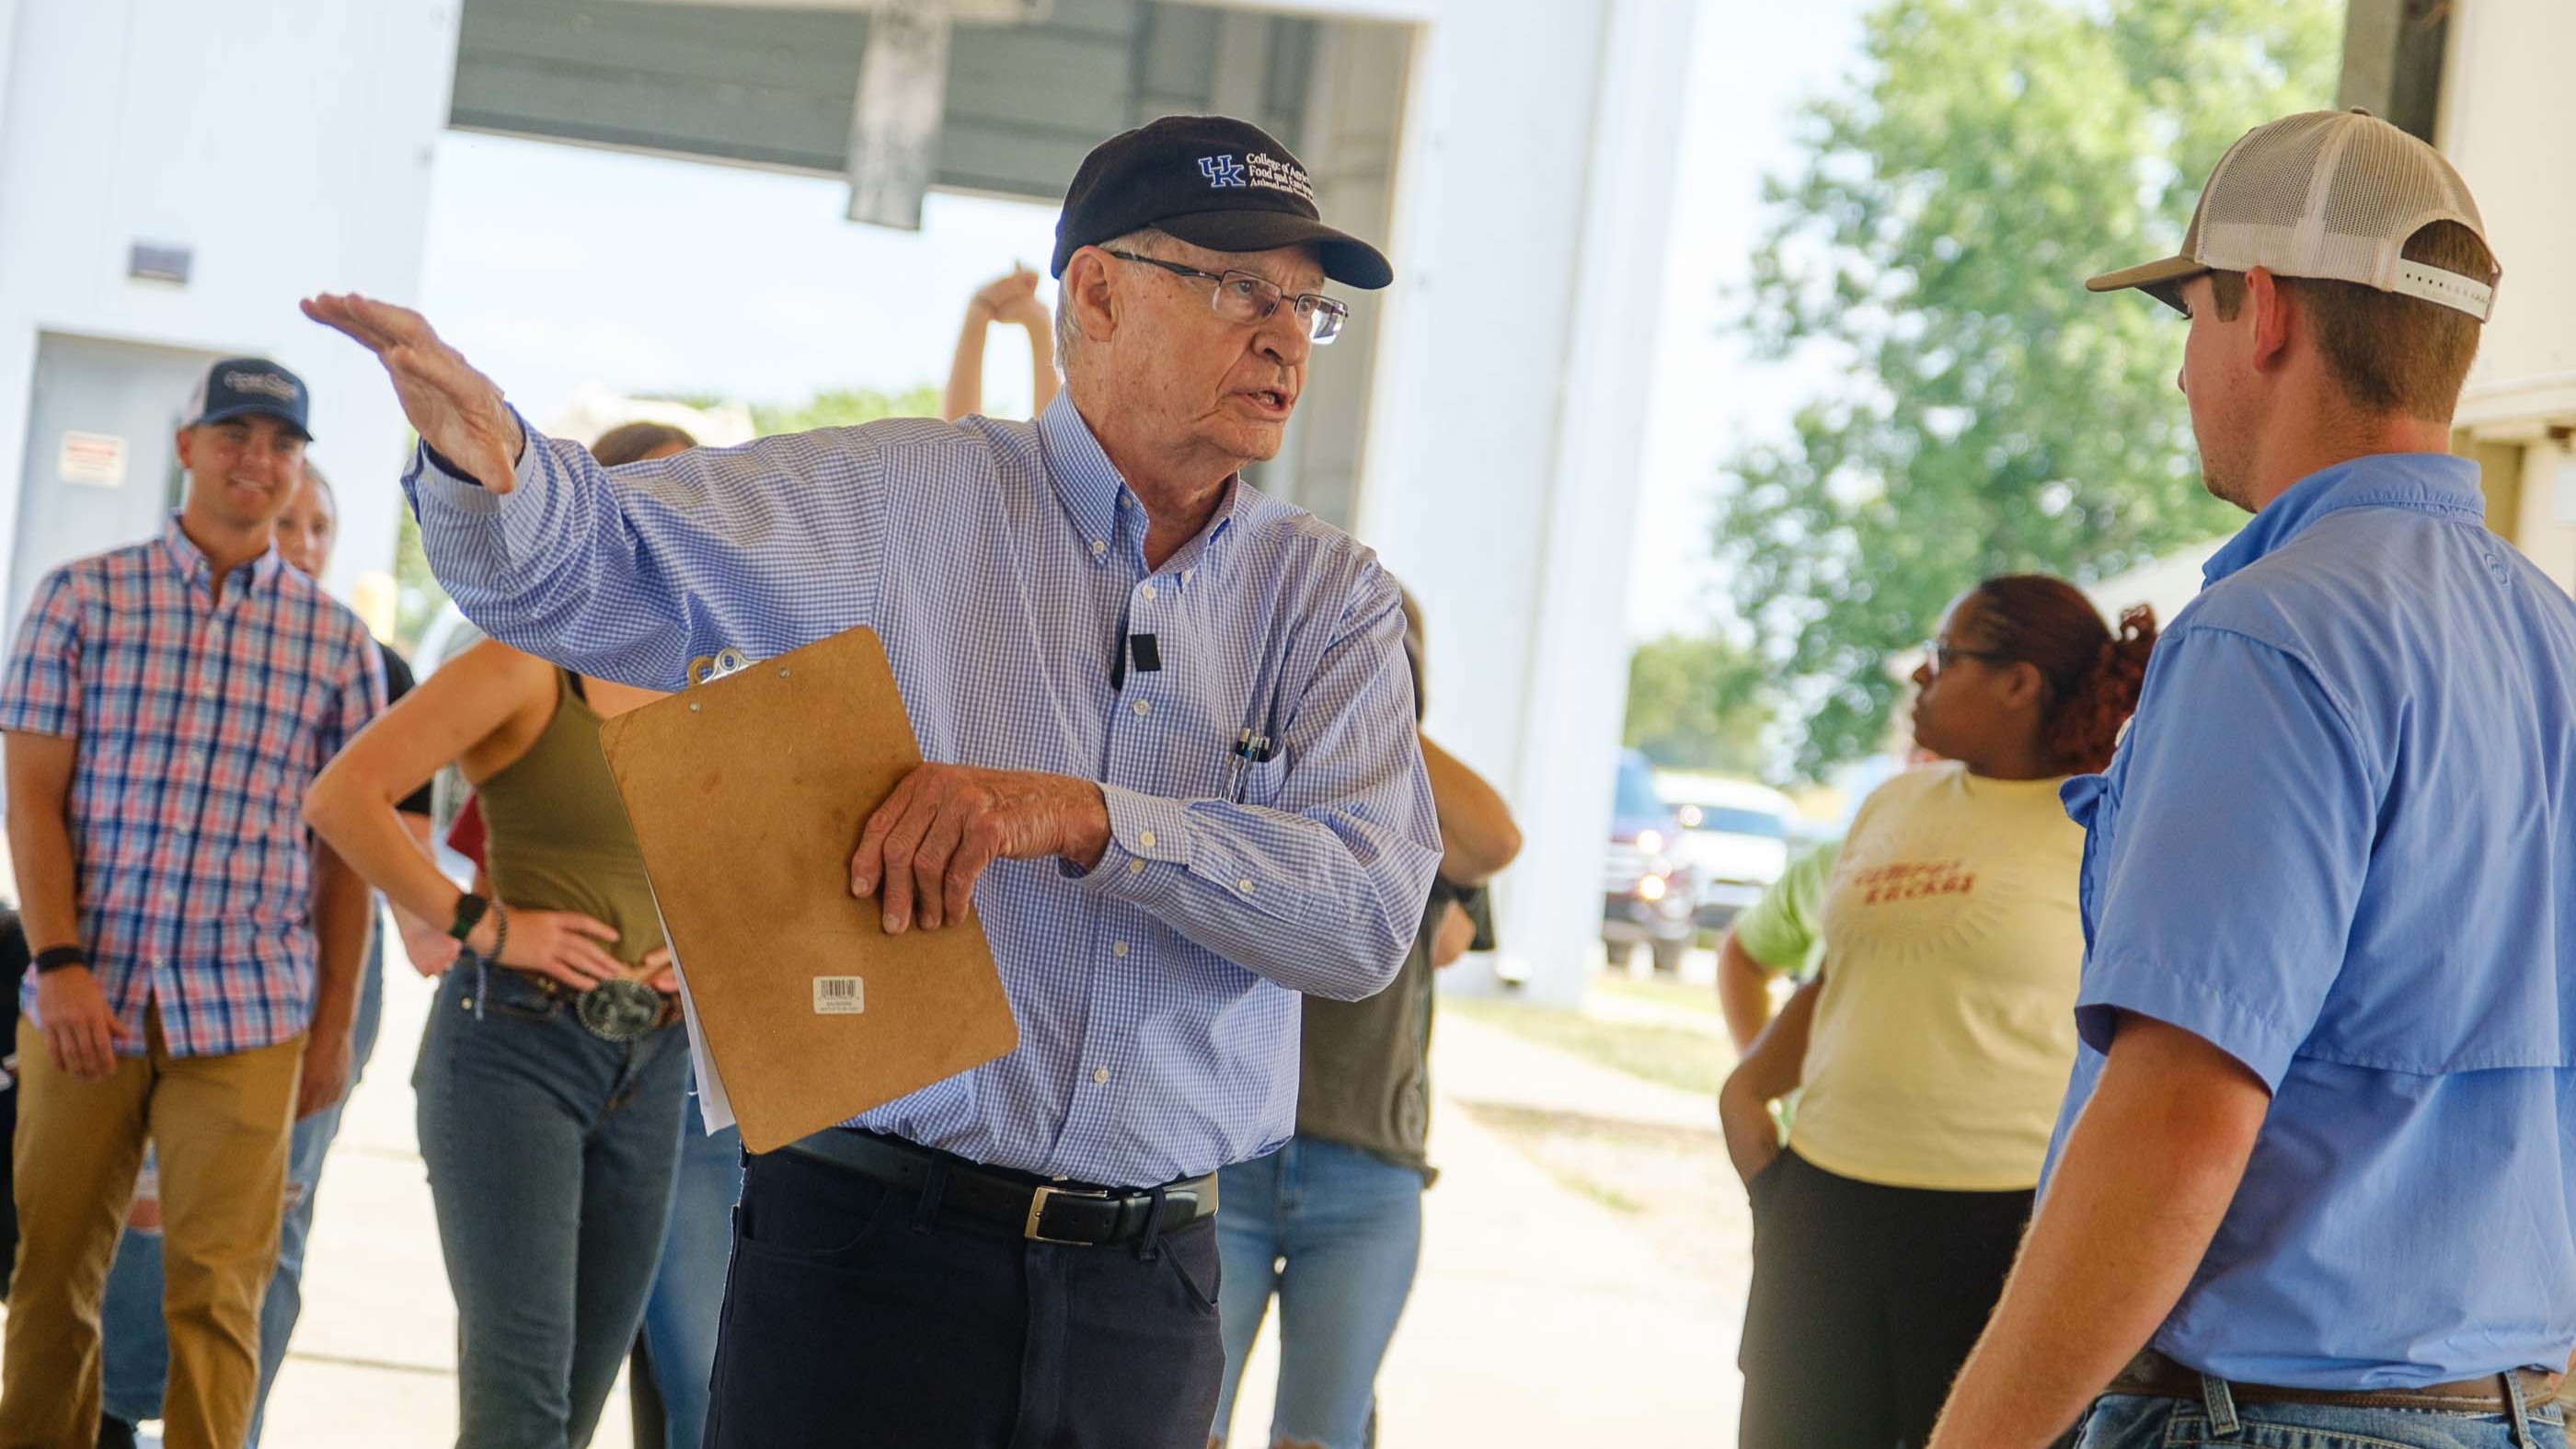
[{"x": 2332, "y": 195}]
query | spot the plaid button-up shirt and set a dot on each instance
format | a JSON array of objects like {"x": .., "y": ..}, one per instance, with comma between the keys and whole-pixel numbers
[{"x": 200, "y": 725}]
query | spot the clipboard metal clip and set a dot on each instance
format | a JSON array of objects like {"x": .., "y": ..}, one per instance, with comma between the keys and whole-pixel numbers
[{"x": 708, "y": 668}]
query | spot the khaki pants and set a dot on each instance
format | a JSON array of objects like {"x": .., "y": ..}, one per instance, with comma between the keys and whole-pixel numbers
[{"x": 219, "y": 1125}]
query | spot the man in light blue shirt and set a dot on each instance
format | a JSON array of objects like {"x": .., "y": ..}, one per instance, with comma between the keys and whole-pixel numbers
[
  {"x": 2312, "y": 1180},
  {"x": 1173, "y": 767}
]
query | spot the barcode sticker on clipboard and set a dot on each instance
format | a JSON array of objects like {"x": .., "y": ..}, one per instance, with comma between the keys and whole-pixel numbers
[{"x": 840, "y": 995}]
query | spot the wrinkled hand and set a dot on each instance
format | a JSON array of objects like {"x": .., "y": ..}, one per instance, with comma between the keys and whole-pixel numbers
[
  {"x": 455, "y": 409},
  {"x": 1014, "y": 299},
  {"x": 924, "y": 848},
  {"x": 1752, "y": 1134},
  {"x": 566, "y": 945},
  {"x": 81, "y": 1033},
  {"x": 327, "y": 1056}
]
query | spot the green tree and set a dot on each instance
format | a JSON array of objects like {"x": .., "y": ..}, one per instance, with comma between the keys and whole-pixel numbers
[
  {"x": 1991, "y": 415},
  {"x": 1698, "y": 703},
  {"x": 846, "y": 407}
]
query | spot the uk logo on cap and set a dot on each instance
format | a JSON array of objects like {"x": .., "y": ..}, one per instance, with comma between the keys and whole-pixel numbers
[{"x": 1222, "y": 171}]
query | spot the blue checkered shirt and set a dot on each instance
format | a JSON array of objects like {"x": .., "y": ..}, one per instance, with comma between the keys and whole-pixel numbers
[
  {"x": 199, "y": 726},
  {"x": 1003, "y": 564}
]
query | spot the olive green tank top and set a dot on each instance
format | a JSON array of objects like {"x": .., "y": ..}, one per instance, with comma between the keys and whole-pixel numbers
[{"x": 556, "y": 831}]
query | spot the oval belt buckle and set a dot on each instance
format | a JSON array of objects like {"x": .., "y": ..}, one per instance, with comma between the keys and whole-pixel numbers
[{"x": 619, "y": 1010}]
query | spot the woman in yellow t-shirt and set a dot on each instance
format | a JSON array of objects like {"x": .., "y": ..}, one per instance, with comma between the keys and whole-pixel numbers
[{"x": 1933, "y": 1048}]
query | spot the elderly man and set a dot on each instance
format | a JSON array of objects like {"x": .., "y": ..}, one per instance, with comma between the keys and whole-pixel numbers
[
  {"x": 1173, "y": 766},
  {"x": 2312, "y": 1177}
]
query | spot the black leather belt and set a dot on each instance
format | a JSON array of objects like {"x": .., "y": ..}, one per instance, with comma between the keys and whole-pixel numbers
[
  {"x": 2153, "y": 1375},
  {"x": 1039, "y": 1210}
]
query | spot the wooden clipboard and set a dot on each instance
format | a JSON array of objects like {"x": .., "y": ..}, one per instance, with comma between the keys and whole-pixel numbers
[{"x": 747, "y": 793}]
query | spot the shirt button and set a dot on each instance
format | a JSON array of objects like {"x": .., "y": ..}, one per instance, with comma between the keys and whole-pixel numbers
[
  {"x": 1100, "y": 1076},
  {"x": 1098, "y": 547},
  {"x": 1142, "y": 708},
  {"x": 1135, "y": 867},
  {"x": 1145, "y": 838},
  {"x": 1244, "y": 885},
  {"x": 1118, "y": 949},
  {"x": 1148, "y": 592},
  {"x": 1188, "y": 574}
]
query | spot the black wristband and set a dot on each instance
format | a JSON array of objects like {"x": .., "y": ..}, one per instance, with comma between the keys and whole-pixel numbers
[
  {"x": 55, "y": 958},
  {"x": 469, "y": 914}
]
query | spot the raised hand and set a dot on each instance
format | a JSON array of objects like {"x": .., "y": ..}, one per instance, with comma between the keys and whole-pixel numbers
[
  {"x": 455, "y": 409},
  {"x": 1014, "y": 299}
]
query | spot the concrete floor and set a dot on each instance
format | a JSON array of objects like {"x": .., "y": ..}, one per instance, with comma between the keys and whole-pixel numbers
[{"x": 1541, "y": 1314}]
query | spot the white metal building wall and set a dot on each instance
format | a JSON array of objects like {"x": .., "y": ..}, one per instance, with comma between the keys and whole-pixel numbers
[{"x": 287, "y": 144}]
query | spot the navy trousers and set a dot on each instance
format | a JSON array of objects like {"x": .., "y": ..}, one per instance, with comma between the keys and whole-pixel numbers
[{"x": 859, "y": 1315}]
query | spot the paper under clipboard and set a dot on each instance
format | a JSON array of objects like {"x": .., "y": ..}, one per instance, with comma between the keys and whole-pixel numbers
[{"x": 747, "y": 793}]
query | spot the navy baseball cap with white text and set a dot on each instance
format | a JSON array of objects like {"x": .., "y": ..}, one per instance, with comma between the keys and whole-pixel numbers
[
  {"x": 1214, "y": 182},
  {"x": 239, "y": 386}
]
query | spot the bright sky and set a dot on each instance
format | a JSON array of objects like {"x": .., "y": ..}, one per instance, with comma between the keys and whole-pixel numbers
[{"x": 750, "y": 284}]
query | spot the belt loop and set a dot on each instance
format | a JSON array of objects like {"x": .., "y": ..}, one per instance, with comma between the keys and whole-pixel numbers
[
  {"x": 2520, "y": 1415},
  {"x": 1152, "y": 1246},
  {"x": 482, "y": 985},
  {"x": 933, "y": 1189},
  {"x": 2221, "y": 1404}
]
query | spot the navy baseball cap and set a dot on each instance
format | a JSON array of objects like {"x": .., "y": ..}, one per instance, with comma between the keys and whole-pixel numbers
[
  {"x": 239, "y": 386},
  {"x": 1214, "y": 182}
]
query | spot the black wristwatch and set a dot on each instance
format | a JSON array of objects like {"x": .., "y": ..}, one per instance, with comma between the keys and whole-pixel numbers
[
  {"x": 55, "y": 958},
  {"x": 469, "y": 914}
]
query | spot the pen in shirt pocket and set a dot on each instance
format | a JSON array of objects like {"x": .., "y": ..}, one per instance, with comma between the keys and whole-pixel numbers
[{"x": 1249, "y": 749}]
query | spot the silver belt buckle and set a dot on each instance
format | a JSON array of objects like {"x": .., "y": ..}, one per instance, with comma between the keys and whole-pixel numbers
[
  {"x": 1037, "y": 1212},
  {"x": 619, "y": 1010}
]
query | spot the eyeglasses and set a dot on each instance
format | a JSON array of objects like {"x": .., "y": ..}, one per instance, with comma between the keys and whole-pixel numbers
[
  {"x": 1251, "y": 299},
  {"x": 1941, "y": 654}
]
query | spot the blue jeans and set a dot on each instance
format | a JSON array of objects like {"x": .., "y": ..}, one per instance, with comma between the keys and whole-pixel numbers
[
  {"x": 688, "y": 1290},
  {"x": 2131, "y": 1422},
  {"x": 135, "y": 1344},
  {"x": 551, "y": 1155},
  {"x": 1335, "y": 1232}
]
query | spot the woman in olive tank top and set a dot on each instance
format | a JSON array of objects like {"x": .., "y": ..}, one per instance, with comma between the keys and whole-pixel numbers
[{"x": 552, "y": 1074}]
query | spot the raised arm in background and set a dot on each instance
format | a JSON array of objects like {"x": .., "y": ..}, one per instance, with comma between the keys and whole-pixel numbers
[{"x": 1012, "y": 299}]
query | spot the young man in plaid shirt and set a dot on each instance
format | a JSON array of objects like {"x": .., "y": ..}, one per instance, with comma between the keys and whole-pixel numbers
[{"x": 197, "y": 957}]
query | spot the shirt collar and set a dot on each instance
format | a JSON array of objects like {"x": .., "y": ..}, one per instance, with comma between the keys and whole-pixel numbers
[
  {"x": 193, "y": 565},
  {"x": 2422, "y": 482},
  {"x": 1090, "y": 488}
]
